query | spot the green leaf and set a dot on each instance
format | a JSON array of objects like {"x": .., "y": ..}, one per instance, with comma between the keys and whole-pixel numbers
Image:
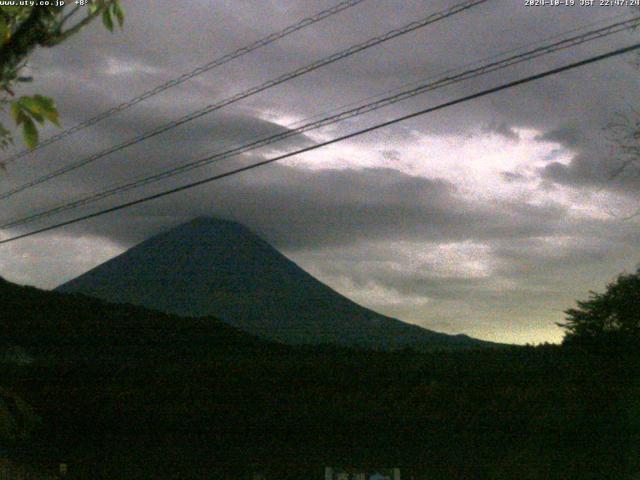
[
  {"x": 12, "y": 11},
  {"x": 37, "y": 117},
  {"x": 16, "y": 112},
  {"x": 53, "y": 118},
  {"x": 107, "y": 20},
  {"x": 94, "y": 7},
  {"x": 47, "y": 104},
  {"x": 4, "y": 132},
  {"x": 32, "y": 108},
  {"x": 30, "y": 104},
  {"x": 49, "y": 110},
  {"x": 119, "y": 12},
  {"x": 30, "y": 133},
  {"x": 40, "y": 108},
  {"x": 4, "y": 30}
]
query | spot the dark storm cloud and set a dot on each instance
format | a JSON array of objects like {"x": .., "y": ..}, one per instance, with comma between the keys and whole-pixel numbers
[
  {"x": 96, "y": 70},
  {"x": 597, "y": 163},
  {"x": 512, "y": 176},
  {"x": 301, "y": 209},
  {"x": 177, "y": 147},
  {"x": 595, "y": 172},
  {"x": 148, "y": 52},
  {"x": 568, "y": 136},
  {"x": 502, "y": 128}
]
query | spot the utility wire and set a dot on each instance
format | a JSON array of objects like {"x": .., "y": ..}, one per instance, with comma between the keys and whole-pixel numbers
[
  {"x": 415, "y": 25},
  {"x": 419, "y": 113},
  {"x": 458, "y": 68},
  {"x": 347, "y": 114},
  {"x": 263, "y": 42}
]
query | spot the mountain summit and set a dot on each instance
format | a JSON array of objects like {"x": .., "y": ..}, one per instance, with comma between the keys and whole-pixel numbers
[{"x": 217, "y": 267}]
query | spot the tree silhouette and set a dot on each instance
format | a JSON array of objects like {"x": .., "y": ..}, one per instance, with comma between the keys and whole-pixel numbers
[{"x": 612, "y": 317}]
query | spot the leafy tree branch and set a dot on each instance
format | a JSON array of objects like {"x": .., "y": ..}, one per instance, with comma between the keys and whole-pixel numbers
[
  {"x": 22, "y": 30},
  {"x": 609, "y": 318}
]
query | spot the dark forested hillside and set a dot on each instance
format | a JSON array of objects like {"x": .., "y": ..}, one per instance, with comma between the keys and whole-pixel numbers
[
  {"x": 124, "y": 392},
  {"x": 78, "y": 327}
]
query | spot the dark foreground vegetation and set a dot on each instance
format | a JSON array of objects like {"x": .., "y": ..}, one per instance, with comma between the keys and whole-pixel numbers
[{"x": 123, "y": 392}]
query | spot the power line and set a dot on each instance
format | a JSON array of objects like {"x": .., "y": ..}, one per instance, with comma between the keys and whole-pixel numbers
[
  {"x": 347, "y": 114},
  {"x": 236, "y": 171},
  {"x": 519, "y": 58},
  {"x": 472, "y": 64},
  {"x": 263, "y": 42},
  {"x": 410, "y": 27}
]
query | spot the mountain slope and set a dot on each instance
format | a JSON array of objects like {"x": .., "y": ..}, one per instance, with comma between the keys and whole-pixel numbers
[
  {"x": 41, "y": 321},
  {"x": 215, "y": 267}
]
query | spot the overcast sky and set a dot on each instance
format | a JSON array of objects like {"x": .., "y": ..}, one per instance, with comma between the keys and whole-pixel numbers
[{"x": 489, "y": 218}]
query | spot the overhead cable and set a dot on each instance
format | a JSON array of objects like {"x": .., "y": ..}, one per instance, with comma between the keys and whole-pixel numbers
[
  {"x": 189, "y": 75},
  {"x": 342, "y": 116},
  {"x": 419, "y": 113},
  {"x": 415, "y": 25}
]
